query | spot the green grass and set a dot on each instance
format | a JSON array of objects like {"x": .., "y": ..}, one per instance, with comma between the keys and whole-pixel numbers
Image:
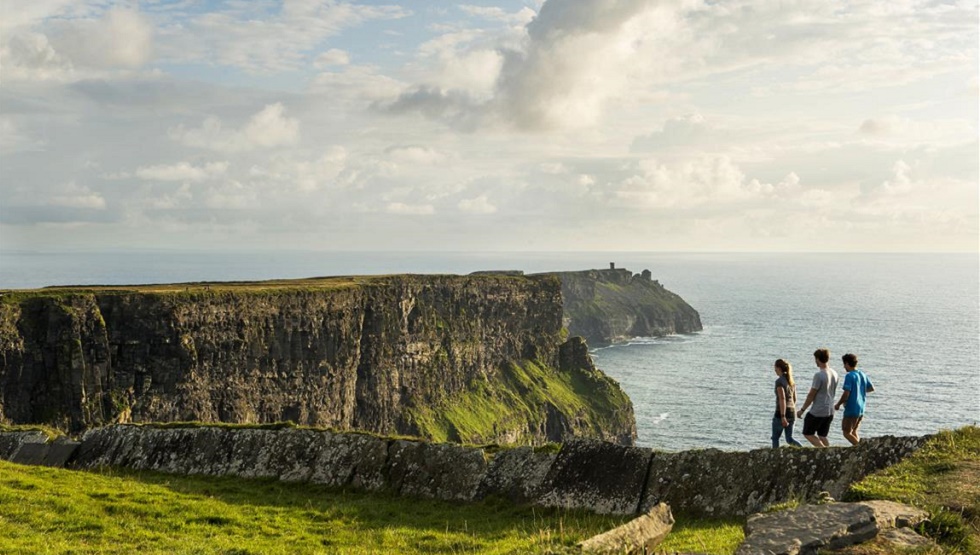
[
  {"x": 944, "y": 478},
  {"x": 515, "y": 402},
  {"x": 52, "y": 433},
  {"x": 45, "y": 510},
  {"x": 712, "y": 537}
]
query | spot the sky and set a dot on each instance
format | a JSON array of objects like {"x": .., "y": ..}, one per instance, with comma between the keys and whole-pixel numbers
[{"x": 506, "y": 125}]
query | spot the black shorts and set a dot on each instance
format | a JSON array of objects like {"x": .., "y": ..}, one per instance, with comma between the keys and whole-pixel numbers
[{"x": 817, "y": 425}]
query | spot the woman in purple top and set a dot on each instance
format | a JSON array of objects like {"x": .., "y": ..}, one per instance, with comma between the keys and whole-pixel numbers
[{"x": 785, "y": 415}]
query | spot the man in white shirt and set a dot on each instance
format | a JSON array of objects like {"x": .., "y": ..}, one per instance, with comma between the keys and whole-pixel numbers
[{"x": 816, "y": 425}]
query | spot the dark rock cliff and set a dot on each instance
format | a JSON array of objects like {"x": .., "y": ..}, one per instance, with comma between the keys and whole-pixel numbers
[
  {"x": 461, "y": 358},
  {"x": 614, "y": 305}
]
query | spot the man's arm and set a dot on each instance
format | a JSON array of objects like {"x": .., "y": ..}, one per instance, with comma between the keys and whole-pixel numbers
[
  {"x": 809, "y": 401},
  {"x": 843, "y": 399}
]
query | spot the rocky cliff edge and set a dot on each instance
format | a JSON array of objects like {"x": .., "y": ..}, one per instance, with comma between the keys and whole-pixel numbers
[{"x": 460, "y": 358}]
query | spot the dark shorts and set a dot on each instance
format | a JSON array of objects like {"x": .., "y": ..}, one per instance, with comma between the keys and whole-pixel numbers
[{"x": 817, "y": 425}]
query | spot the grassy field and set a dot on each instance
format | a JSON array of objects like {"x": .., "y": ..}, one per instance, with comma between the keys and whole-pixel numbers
[{"x": 45, "y": 510}]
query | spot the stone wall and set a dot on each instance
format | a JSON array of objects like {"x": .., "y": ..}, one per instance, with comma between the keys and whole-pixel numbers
[{"x": 598, "y": 476}]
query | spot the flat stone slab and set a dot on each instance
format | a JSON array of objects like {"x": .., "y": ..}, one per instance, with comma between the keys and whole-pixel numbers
[
  {"x": 640, "y": 535},
  {"x": 810, "y": 528}
]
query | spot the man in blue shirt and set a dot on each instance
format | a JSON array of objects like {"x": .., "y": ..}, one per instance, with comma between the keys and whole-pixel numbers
[{"x": 856, "y": 387}]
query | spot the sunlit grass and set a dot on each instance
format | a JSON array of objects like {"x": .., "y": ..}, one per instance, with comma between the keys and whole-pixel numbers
[{"x": 44, "y": 510}]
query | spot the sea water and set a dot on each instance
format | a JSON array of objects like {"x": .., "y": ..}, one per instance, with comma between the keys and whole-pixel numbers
[{"x": 912, "y": 319}]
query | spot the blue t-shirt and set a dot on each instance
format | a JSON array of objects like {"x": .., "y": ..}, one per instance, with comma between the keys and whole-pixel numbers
[{"x": 858, "y": 383}]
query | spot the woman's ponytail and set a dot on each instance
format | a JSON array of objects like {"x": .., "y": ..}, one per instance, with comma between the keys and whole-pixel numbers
[{"x": 787, "y": 370}]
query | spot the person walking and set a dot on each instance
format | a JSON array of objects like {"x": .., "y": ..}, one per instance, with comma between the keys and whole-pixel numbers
[
  {"x": 816, "y": 425},
  {"x": 856, "y": 387},
  {"x": 785, "y": 417}
]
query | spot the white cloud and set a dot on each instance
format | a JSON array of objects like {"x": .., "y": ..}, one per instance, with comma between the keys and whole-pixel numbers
[
  {"x": 29, "y": 56},
  {"x": 355, "y": 84},
  {"x": 232, "y": 195},
  {"x": 493, "y": 13},
  {"x": 409, "y": 209},
  {"x": 478, "y": 205},
  {"x": 416, "y": 155},
  {"x": 182, "y": 171},
  {"x": 693, "y": 184},
  {"x": 268, "y": 128},
  {"x": 75, "y": 196},
  {"x": 332, "y": 57},
  {"x": 12, "y": 139},
  {"x": 122, "y": 38},
  {"x": 247, "y": 36}
]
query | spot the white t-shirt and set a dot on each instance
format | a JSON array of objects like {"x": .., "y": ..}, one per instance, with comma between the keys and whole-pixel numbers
[{"x": 825, "y": 382}]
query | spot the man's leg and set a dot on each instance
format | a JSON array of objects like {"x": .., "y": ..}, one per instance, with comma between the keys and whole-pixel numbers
[
  {"x": 810, "y": 430},
  {"x": 854, "y": 429},
  {"x": 847, "y": 429},
  {"x": 823, "y": 429}
]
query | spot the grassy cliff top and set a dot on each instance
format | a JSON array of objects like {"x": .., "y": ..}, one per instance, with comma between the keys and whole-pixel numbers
[{"x": 300, "y": 284}]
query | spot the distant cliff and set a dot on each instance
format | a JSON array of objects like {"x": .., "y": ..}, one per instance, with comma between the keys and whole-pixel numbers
[
  {"x": 614, "y": 305},
  {"x": 462, "y": 358}
]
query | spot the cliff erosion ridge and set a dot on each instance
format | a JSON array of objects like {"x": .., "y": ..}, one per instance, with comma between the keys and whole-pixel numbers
[
  {"x": 614, "y": 305},
  {"x": 479, "y": 359}
]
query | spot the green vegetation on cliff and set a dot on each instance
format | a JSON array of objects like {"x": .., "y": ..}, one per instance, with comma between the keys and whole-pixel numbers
[{"x": 529, "y": 400}]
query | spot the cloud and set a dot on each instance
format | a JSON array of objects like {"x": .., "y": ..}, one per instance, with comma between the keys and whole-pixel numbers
[
  {"x": 696, "y": 183},
  {"x": 687, "y": 130},
  {"x": 182, "y": 171},
  {"x": 416, "y": 155},
  {"x": 269, "y": 128},
  {"x": 409, "y": 209},
  {"x": 122, "y": 38},
  {"x": 478, "y": 205},
  {"x": 30, "y": 56},
  {"x": 453, "y": 106},
  {"x": 250, "y": 36},
  {"x": 359, "y": 85},
  {"x": 13, "y": 139},
  {"x": 74, "y": 196},
  {"x": 493, "y": 13},
  {"x": 332, "y": 57}
]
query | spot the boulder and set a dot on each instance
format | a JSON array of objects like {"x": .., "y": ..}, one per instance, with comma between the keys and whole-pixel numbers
[
  {"x": 807, "y": 529},
  {"x": 640, "y": 535},
  {"x": 10, "y": 442}
]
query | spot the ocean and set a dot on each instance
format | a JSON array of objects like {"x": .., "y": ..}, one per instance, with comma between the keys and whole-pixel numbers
[{"x": 912, "y": 319}]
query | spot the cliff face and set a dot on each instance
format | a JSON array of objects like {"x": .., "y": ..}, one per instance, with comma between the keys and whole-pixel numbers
[
  {"x": 610, "y": 306},
  {"x": 442, "y": 357}
]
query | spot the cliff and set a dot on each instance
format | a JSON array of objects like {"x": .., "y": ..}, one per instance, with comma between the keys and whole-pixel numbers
[
  {"x": 461, "y": 358},
  {"x": 614, "y": 305}
]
